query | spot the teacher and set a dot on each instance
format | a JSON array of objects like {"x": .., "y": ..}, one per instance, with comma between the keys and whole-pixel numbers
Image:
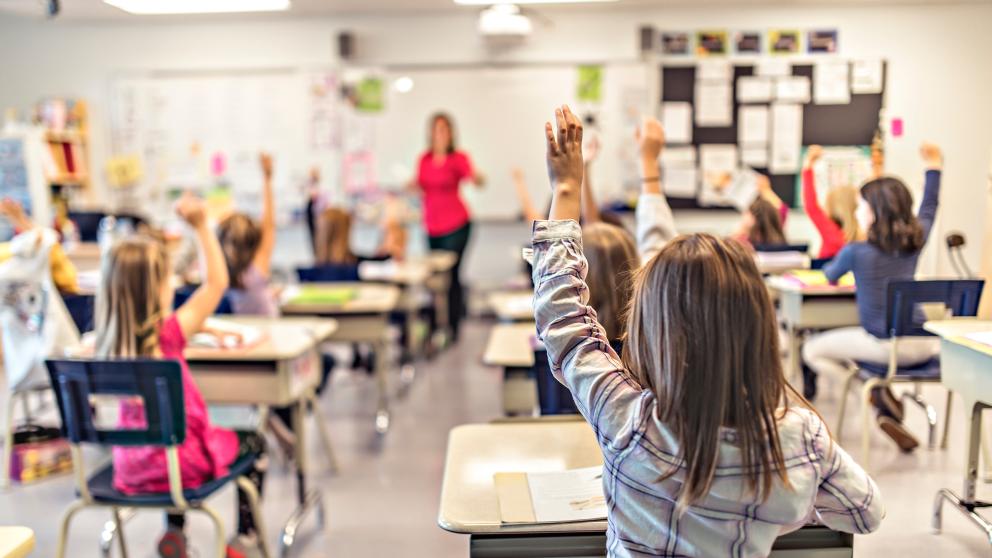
[{"x": 441, "y": 171}]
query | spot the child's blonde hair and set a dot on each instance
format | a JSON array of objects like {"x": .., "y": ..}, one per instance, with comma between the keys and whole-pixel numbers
[
  {"x": 129, "y": 302},
  {"x": 334, "y": 237},
  {"x": 842, "y": 202},
  {"x": 240, "y": 237},
  {"x": 702, "y": 336},
  {"x": 613, "y": 258}
]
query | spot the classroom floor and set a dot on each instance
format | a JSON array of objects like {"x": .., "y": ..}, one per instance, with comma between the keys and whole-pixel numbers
[{"x": 384, "y": 502}]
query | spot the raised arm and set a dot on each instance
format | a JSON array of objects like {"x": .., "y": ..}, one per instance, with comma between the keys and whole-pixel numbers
[
  {"x": 204, "y": 300},
  {"x": 933, "y": 158},
  {"x": 263, "y": 257},
  {"x": 578, "y": 351},
  {"x": 837, "y": 267},
  {"x": 14, "y": 213},
  {"x": 655, "y": 222},
  {"x": 848, "y": 499},
  {"x": 811, "y": 202},
  {"x": 523, "y": 195}
]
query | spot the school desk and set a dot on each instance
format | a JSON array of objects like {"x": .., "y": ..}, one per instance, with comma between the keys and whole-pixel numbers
[
  {"x": 811, "y": 308},
  {"x": 469, "y": 503},
  {"x": 362, "y": 319},
  {"x": 16, "y": 542},
  {"x": 509, "y": 347},
  {"x": 513, "y": 306},
  {"x": 283, "y": 369},
  {"x": 966, "y": 369}
]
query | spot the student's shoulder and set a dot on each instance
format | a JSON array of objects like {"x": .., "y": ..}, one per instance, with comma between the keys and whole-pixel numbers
[{"x": 805, "y": 421}]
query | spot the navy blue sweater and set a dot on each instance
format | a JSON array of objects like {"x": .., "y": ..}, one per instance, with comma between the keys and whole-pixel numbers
[{"x": 873, "y": 268}]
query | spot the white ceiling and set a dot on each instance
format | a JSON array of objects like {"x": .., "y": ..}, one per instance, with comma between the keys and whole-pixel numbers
[{"x": 96, "y": 10}]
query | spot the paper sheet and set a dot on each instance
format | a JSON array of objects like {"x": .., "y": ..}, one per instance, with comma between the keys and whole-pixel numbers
[
  {"x": 714, "y": 69},
  {"x": 680, "y": 182},
  {"x": 795, "y": 89},
  {"x": 832, "y": 82},
  {"x": 787, "y": 137},
  {"x": 717, "y": 162},
  {"x": 677, "y": 121},
  {"x": 714, "y": 104},
  {"x": 754, "y": 89},
  {"x": 575, "y": 495},
  {"x": 678, "y": 157},
  {"x": 756, "y": 157},
  {"x": 743, "y": 189},
  {"x": 752, "y": 125},
  {"x": 773, "y": 67},
  {"x": 866, "y": 76}
]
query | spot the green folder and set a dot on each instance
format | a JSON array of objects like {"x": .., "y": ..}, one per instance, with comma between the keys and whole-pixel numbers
[{"x": 324, "y": 295}]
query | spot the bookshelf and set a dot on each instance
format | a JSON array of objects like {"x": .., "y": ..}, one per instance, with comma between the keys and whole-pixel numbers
[{"x": 66, "y": 136}]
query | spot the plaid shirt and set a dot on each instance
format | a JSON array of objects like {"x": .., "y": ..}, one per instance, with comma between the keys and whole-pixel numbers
[{"x": 638, "y": 449}]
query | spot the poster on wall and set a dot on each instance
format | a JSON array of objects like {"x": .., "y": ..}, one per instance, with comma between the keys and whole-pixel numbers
[
  {"x": 13, "y": 179},
  {"x": 747, "y": 42},
  {"x": 784, "y": 41},
  {"x": 711, "y": 43},
  {"x": 675, "y": 43},
  {"x": 589, "y": 85},
  {"x": 838, "y": 167},
  {"x": 822, "y": 41}
]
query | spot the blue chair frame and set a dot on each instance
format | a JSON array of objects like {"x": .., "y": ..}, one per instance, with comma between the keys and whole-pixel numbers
[
  {"x": 78, "y": 383},
  {"x": 328, "y": 273},
  {"x": 903, "y": 319}
]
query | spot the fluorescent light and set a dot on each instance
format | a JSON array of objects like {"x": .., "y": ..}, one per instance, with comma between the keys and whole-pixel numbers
[
  {"x": 148, "y": 7},
  {"x": 496, "y": 2}
]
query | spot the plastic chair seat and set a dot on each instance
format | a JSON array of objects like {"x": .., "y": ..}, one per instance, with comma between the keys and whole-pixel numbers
[
  {"x": 101, "y": 486},
  {"x": 923, "y": 372}
]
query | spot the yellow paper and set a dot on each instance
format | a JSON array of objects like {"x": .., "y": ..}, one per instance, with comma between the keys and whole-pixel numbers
[{"x": 124, "y": 170}]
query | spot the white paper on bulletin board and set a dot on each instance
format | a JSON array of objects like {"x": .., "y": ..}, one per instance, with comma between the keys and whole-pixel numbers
[{"x": 787, "y": 136}]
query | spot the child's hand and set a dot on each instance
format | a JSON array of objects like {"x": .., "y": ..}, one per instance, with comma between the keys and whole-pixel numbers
[
  {"x": 651, "y": 139},
  {"x": 565, "y": 165},
  {"x": 192, "y": 210},
  {"x": 932, "y": 155},
  {"x": 265, "y": 160},
  {"x": 813, "y": 154},
  {"x": 15, "y": 214}
]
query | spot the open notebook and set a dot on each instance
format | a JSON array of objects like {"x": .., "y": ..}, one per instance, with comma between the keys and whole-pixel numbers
[
  {"x": 223, "y": 334},
  {"x": 554, "y": 497}
]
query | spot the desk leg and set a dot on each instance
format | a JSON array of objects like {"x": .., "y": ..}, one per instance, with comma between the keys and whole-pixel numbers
[
  {"x": 382, "y": 416},
  {"x": 325, "y": 438},
  {"x": 795, "y": 360},
  {"x": 409, "y": 371},
  {"x": 967, "y": 505},
  {"x": 308, "y": 499}
]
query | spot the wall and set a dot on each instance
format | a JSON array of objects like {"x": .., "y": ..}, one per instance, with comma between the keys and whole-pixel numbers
[{"x": 939, "y": 74}]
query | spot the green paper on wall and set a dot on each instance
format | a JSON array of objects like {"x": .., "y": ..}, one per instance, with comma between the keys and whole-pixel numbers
[
  {"x": 590, "y": 84},
  {"x": 369, "y": 95}
]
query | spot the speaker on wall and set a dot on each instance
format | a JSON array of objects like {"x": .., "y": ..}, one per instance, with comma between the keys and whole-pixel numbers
[
  {"x": 648, "y": 36},
  {"x": 346, "y": 45}
]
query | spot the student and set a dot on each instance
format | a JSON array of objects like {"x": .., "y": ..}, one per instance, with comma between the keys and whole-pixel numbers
[
  {"x": 697, "y": 416},
  {"x": 248, "y": 247},
  {"x": 838, "y": 225},
  {"x": 63, "y": 271},
  {"x": 133, "y": 319},
  {"x": 895, "y": 238},
  {"x": 333, "y": 239},
  {"x": 763, "y": 223}
]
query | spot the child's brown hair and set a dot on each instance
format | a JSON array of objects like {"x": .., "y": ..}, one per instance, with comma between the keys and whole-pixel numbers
[
  {"x": 334, "y": 237},
  {"x": 240, "y": 237},
  {"x": 613, "y": 258}
]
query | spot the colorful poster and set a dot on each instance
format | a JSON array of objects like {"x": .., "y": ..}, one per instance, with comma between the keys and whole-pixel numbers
[
  {"x": 784, "y": 41},
  {"x": 822, "y": 41},
  {"x": 710, "y": 43},
  {"x": 590, "y": 84},
  {"x": 13, "y": 180},
  {"x": 369, "y": 95},
  {"x": 675, "y": 43},
  {"x": 747, "y": 42}
]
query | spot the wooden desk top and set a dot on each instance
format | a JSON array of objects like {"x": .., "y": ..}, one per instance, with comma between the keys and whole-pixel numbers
[
  {"x": 954, "y": 330},
  {"x": 512, "y": 305},
  {"x": 283, "y": 339},
  {"x": 370, "y": 298},
  {"x": 782, "y": 285},
  {"x": 509, "y": 345},
  {"x": 477, "y": 451},
  {"x": 16, "y": 542}
]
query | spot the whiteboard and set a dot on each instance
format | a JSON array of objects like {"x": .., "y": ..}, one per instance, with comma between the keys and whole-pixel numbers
[{"x": 499, "y": 114}]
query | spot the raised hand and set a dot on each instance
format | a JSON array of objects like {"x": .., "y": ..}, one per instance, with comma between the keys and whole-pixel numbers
[
  {"x": 565, "y": 165},
  {"x": 265, "y": 160},
  {"x": 650, "y": 139},
  {"x": 192, "y": 210},
  {"x": 813, "y": 154},
  {"x": 933, "y": 157}
]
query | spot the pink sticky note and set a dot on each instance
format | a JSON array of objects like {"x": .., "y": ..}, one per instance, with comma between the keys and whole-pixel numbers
[
  {"x": 218, "y": 164},
  {"x": 897, "y": 127}
]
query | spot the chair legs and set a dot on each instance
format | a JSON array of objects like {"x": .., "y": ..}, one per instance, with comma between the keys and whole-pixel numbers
[
  {"x": 918, "y": 400},
  {"x": 325, "y": 438},
  {"x": 947, "y": 419},
  {"x": 119, "y": 523},
  {"x": 249, "y": 489},
  {"x": 221, "y": 548},
  {"x": 64, "y": 527},
  {"x": 843, "y": 401},
  {"x": 866, "y": 420}
]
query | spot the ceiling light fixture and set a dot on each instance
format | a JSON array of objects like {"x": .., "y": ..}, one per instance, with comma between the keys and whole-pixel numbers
[{"x": 162, "y": 7}]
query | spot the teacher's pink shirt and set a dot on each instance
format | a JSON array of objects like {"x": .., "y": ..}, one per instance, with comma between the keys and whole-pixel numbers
[{"x": 444, "y": 209}]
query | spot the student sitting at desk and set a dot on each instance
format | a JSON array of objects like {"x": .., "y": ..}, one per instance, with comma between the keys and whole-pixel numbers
[
  {"x": 895, "y": 238},
  {"x": 837, "y": 225},
  {"x": 133, "y": 319},
  {"x": 763, "y": 223},
  {"x": 708, "y": 450}
]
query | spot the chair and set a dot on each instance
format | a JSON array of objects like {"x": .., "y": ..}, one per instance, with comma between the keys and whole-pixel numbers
[
  {"x": 80, "y": 383},
  {"x": 80, "y": 309},
  {"x": 905, "y": 318},
  {"x": 328, "y": 273}
]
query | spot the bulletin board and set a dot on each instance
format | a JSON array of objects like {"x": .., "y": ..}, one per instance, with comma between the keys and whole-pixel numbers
[{"x": 851, "y": 124}]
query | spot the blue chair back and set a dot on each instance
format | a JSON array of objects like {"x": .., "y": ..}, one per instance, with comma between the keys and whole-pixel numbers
[
  {"x": 80, "y": 308},
  {"x": 87, "y": 223},
  {"x": 818, "y": 263},
  {"x": 781, "y": 248},
  {"x": 78, "y": 383},
  {"x": 905, "y": 317},
  {"x": 183, "y": 293},
  {"x": 328, "y": 273}
]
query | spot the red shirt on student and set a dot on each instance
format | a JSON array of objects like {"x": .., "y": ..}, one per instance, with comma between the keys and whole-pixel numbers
[
  {"x": 444, "y": 210},
  {"x": 830, "y": 232}
]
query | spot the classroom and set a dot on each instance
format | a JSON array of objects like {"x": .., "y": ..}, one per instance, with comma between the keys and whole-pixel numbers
[{"x": 495, "y": 278}]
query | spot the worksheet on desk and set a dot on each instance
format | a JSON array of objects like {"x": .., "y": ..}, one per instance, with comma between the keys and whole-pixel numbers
[{"x": 574, "y": 495}]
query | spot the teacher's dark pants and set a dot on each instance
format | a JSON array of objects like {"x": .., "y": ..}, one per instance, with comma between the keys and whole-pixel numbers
[{"x": 456, "y": 242}]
